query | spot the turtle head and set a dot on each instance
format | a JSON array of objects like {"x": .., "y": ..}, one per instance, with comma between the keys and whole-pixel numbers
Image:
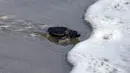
[{"x": 73, "y": 34}]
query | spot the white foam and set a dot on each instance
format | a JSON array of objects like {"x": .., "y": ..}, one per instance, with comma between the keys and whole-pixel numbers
[{"x": 108, "y": 48}]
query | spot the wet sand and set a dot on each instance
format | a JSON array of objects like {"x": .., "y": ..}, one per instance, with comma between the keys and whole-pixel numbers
[{"x": 23, "y": 54}]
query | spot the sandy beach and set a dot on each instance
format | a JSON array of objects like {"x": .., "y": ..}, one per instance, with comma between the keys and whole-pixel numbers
[{"x": 23, "y": 54}]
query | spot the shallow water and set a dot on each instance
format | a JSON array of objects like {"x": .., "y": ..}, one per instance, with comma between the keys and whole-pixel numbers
[{"x": 20, "y": 53}]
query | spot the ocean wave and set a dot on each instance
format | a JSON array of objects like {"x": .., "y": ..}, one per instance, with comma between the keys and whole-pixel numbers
[{"x": 107, "y": 49}]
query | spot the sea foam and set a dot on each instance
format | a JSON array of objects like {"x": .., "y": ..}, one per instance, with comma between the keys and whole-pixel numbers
[{"x": 108, "y": 48}]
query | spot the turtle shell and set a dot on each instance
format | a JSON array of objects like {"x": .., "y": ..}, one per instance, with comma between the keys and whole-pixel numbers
[{"x": 57, "y": 31}]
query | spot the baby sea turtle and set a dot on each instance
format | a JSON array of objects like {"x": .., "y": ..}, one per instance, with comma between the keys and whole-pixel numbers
[
  {"x": 63, "y": 32},
  {"x": 61, "y": 35}
]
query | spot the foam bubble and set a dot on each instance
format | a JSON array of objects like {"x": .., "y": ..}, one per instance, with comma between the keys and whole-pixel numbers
[{"x": 109, "y": 43}]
